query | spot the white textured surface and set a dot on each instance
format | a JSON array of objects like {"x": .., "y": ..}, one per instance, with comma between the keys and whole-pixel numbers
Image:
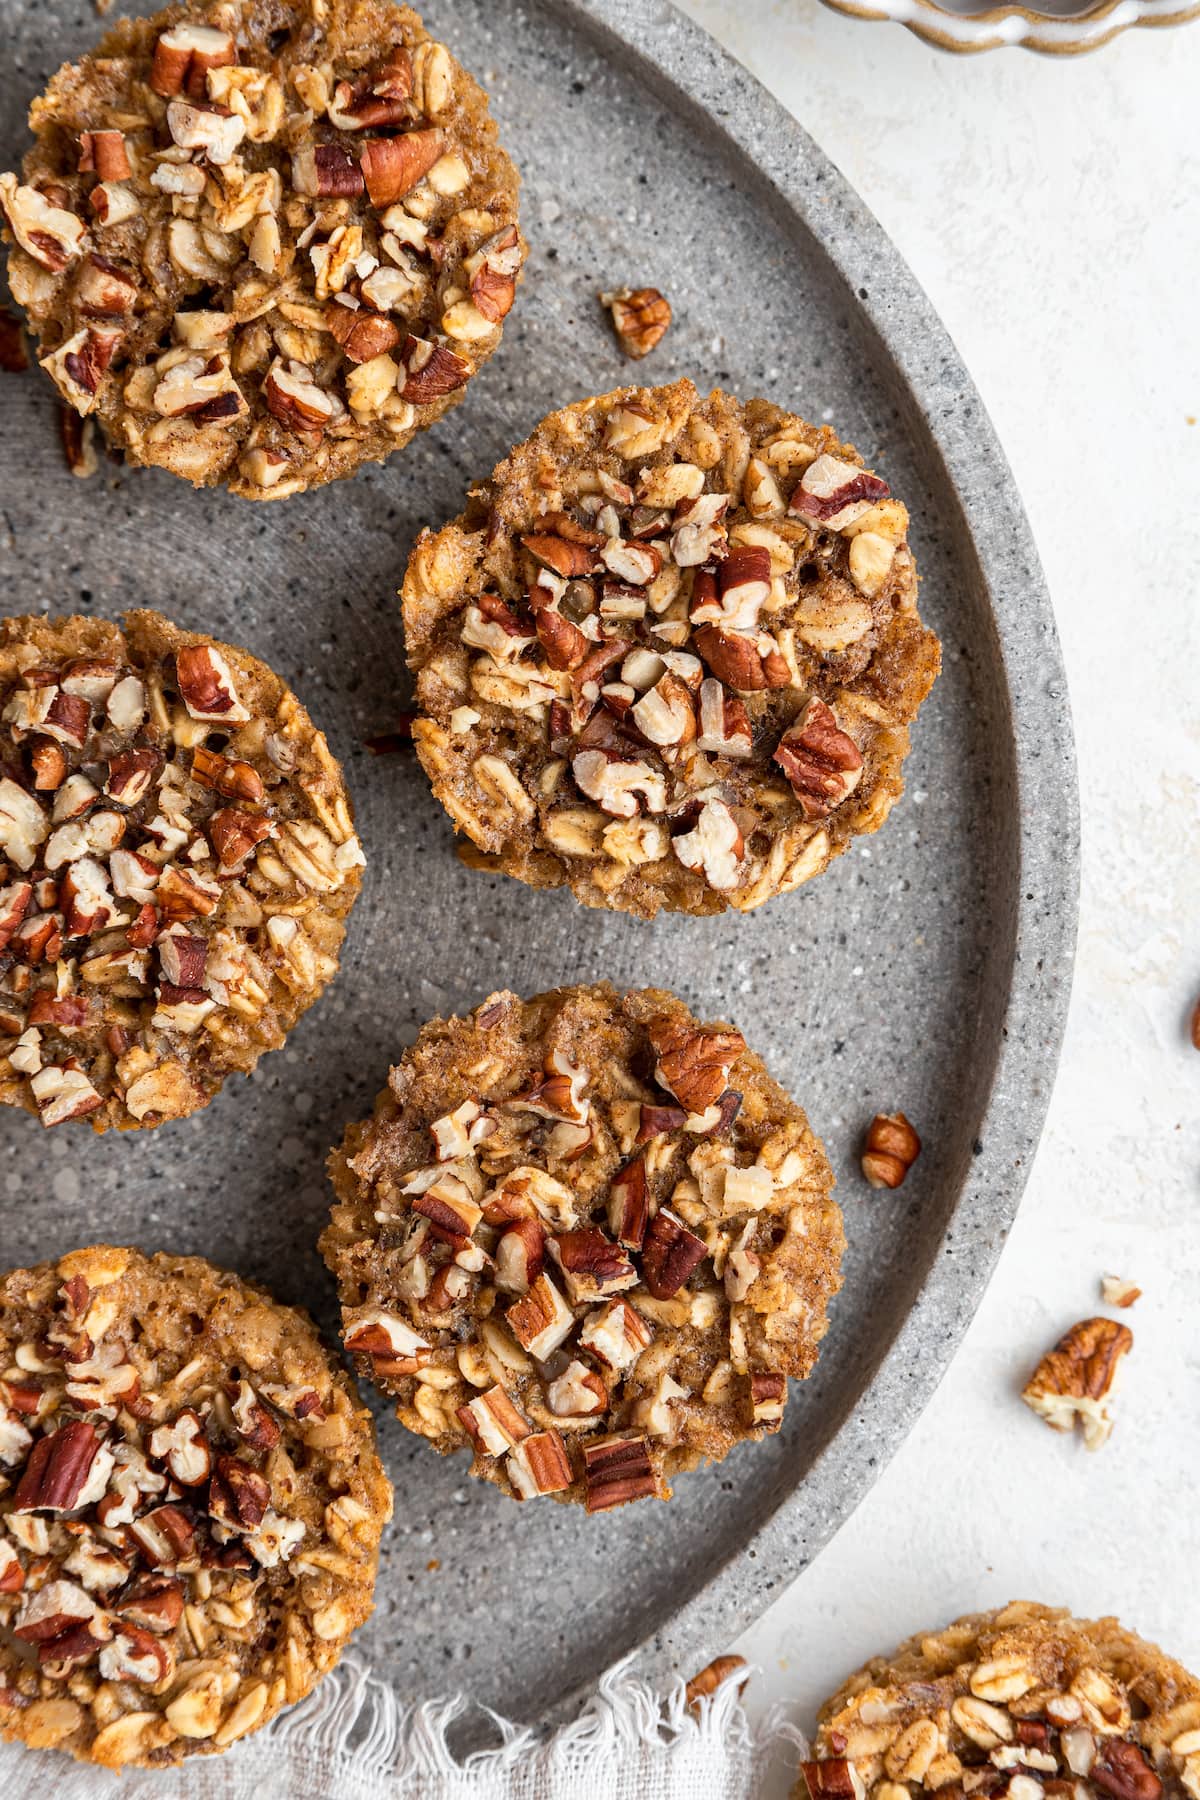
[{"x": 1051, "y": 211}]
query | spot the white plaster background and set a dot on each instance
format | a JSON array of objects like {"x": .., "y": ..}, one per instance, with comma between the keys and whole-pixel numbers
[{"x": 1051, "y": 209}]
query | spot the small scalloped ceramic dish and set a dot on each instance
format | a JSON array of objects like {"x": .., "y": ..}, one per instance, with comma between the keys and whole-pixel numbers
[{"x": 1063, "y": 30}]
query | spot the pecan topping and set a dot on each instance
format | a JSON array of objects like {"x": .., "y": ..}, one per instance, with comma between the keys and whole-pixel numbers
[
  {"x": 832, "y": 1778},
  {"x": 1121, "y": 1769},
  {"x": 539, "y": 1465},
  {"x": 616, "y": 1471},
  {"x": 549, "y": 1238},
  {"x": 430, "y": 371},
  {"x": 694, "y": 1064},
  {"x": 592, "y": 1265},
  {"x": 392, "y": 166},
  {"x": 237, "y": 1494},
  {"x": 59, "y": 1470},
  {"x": 126, "y": 1560},
  {"x": 671, "y": 1254},
  {"x": 104, "y": 154},
  {"x": 829, "y": 488},
  {"x": 822, "y": 762},
  {"x": 628, "y": 1204},
  {"x": 183, "y": 56},
  {"x": 362, "y": 333}
]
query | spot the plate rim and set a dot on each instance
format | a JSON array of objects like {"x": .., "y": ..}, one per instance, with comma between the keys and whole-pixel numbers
[{"x": 688, "y": 67}]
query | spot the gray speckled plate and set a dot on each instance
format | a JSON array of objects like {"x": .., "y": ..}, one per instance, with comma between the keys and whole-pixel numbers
[{"x": 928, "y": 970}]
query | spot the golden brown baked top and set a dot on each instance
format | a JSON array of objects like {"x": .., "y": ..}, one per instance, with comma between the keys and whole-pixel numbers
[
  {"x": 669, "y": 653},
  {"x": 178, "y": 861},
  {"x": 586, "y": 1236},
  {"x": 1026, "y": 1702},
  {"x": 190, "y": 1507},
  {"x": 264, "y": 241}
]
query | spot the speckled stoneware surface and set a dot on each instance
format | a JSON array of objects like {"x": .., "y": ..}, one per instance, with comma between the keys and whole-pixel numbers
[{"x": 928, "y": 970}]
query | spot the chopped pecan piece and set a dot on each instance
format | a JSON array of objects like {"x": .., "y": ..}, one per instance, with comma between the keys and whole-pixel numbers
[
  {"x": 714, "y": 846},
  {"x": 182, "y": 1445},
  {"x": 617, "y": 1334},
  {"x": 392, "y": 166},
  {"x": 103, "y": 153},
  {"x": 833, "y": 493},
  {"x": 362, "y": 332},
  {"x": 892, "y": 1148},
  {"x": 520, "y": 1256},
  {"x": 628, "y": 1201},
  {"x": 234, "y": 835},
  {"x": 577, "y": 1393},
  {"x": 671, "y": 1254},
  {"x": 656, "y": 1121},
  {"x": 59, "y": 1473},
  {"x": 155, "y": 1602},
  {"x": 539, "y": 1465},
  {"x": 234, "y": 780},
  {"x": 746, "y": 663},
  {"x": 237, "y": 1493},
  {"x": 494, "y": 278},
  {"x": 710, "y": 1679},
  {"x": 822, "y": 762},
  {"x": 592, "y": 1265},
  {"x": 541, "y": 1319},
  {"x": 767, "y": 1397},
  {"x": 430, "y": 371},
  {"x": 493, "y": 1423},
  {"x": 293, "y": 397},
  {"x": 393, "y": 1346},
  {"x": 833, "y": 1778},
  {"x": 183, "y": 56},
  {"x": 326, "y": 171},
  {"x": 564, "y": 556},
  {"x": 640, "y": 318},
  {"x": 1075, "y": 1380},
  {"x": 1121, "y": 1769},
  {"x": 207, "y": 686},
  {"x": 694, "y": 1064},
  {"x": 617, "y": 1470}
]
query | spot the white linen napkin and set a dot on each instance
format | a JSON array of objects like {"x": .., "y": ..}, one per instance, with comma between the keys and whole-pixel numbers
[{"x": 353, "y": 1739}]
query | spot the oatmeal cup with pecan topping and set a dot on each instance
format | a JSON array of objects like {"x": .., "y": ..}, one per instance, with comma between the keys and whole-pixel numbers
[
  {"x": 177, "y": 861},
  {"x": 587, "y": 1238},
  {"x": 264, "y": 241},
  {"x": 1026, "y": 1702},
  {"x": 669, "y": 654},
  {"x": 190, "y": 1509}
]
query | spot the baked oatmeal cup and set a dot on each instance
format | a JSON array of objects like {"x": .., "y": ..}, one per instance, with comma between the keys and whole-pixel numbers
[
  {"x": 669, "y": 654},
  {"x": 264, "y": 241},
  {"x": 587, "y": 1238},
  {"x": 179, "y": 859},
  {"x": 191, "y": 1509},
  {"x": 1026, "y": 1702}
]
